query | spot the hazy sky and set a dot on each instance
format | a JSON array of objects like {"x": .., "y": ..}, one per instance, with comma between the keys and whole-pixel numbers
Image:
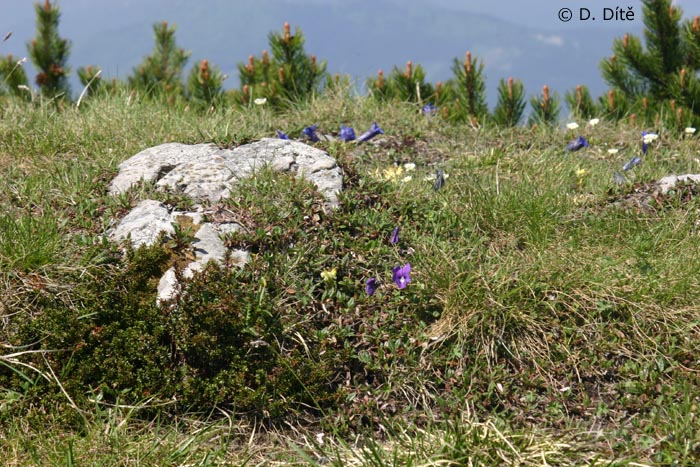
[{"x": 521, "y": 38}]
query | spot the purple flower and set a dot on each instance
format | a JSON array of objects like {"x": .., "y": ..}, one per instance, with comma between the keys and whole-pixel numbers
[
  {"x": 429, "y": 110},
  {"x": 310, "y": 132},
  {"x": 371, "y": 286},
  {"x": 631, "y": 163},
  {"x": 402, "y": 275},
  {"x": 346, "y": 133},
  {"x": 281, "y": 135},
  {"x": 576, "y": 144},
  {"x": 395, "y": 236},
  {"x": 371, "y": 133}
]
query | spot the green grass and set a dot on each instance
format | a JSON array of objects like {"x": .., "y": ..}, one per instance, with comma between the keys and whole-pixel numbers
[{"x": 551, "y": 319}]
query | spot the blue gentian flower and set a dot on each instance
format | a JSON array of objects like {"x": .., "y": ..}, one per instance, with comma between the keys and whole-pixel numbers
[
  {"x": 395, "y": 236},
  {"x": 371, "y": 286},
  {"x": 402, "y": 275},
  {"x": 310, "y": 132},
  {"x": 371, "y": 133},
  {"x": 439, "y": 180},
  {"x": 346, "y": 133},
  {"x": 429, "y": 110},
  {"x": 577, "y": 144},
  {"x": 281, "y": 135},
  {"x": 631, "y": 163}
]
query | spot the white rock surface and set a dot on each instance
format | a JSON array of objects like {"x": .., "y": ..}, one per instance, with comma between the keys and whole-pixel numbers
[
  {"x": 144, "y": 223},
  {"x": 669, "y": 182},
  {"x": 207, "y": 173}
]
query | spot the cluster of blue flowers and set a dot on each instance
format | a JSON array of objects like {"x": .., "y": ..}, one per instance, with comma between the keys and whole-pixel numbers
[
  {"x": 401, "y": 275},
  {"x": 580, "y": 142},
  {"x": 346, "y": 133}
]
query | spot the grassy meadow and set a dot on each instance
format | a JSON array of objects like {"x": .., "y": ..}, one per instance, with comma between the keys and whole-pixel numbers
[{"x": 551, "y": 317}]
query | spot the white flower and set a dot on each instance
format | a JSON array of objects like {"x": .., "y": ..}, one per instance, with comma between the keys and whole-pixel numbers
[
  {"x": 408, "y": 166},
  {"x": 406, "y": 179},
  {"x": 21, "y": 61},
  {"x": 572, "y": 125},
  {"x": 650, "y": 137},
  {"x": 690, "y": 130},
  {"x": 24, "y": 87},
  {"x": 594, "y": 121},
  {"x": 260, "y": 100},
  {"x": 612, "y": 151},
  {"x": 431, "y": 178}
]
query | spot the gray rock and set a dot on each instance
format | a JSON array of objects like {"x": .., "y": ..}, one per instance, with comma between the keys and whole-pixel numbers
[
  {"x": 205, "y": 172},
  {"x": 669, "y": 182},
  {"x": 143, "y": 224},
  {"x": 168, "y": 287}
]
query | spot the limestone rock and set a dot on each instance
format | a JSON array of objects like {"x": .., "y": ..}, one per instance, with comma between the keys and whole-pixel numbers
[
  {"x": 205, "y": 172},
  {"x": 669, "y": 182},
  {"x": 144, "y": 223}
]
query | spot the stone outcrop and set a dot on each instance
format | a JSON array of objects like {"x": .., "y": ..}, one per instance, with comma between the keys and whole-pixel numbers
[{"x": 207, "y": 174}]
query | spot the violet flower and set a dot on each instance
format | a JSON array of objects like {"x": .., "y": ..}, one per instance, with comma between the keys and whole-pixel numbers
[
  {"x": 439, "y": 180},
  {"x": 371, "y": 133},
  {"x": 631, "y": 163},
  {"x": 310, "y": 132},
  {"x": 395, "y": 236},
  {"x": 402, "y": 275},
  {"x": 371, "y": 286},
  {"x": 346, "y": 133},
  {"x": 576, "y": 144},
  {"x": 429, "y": 110},
  {"x": 281, "y": 135}
]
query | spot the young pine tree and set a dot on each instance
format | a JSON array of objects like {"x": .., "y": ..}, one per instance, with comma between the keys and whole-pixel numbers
[
  {"x": 409, "y": 85},
  {"x": 299, "y": 75},
  {"x": 49, "y": 52},
  {"x": 581, "y": 103},
  {"x": 545, "y": 108},
  {"x": 205, "y": 84},
  {"x": 161, "y": 72},
  {"x": 289, "y": 75},
  {"x": 511, "y": 103},
  {"x": 615, "y": 105},
  {"x": 667, "y": 68},
  {"x": 470, "y": 87}
]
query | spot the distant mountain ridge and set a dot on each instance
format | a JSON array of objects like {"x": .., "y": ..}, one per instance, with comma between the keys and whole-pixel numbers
[{"x": 355, "y": 38}]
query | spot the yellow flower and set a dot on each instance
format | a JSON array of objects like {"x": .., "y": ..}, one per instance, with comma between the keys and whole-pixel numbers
[
  {"x": 329, "y": 276},
  {"x": 392, "y": 173},
  {"x": 581, "y": 172}
]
